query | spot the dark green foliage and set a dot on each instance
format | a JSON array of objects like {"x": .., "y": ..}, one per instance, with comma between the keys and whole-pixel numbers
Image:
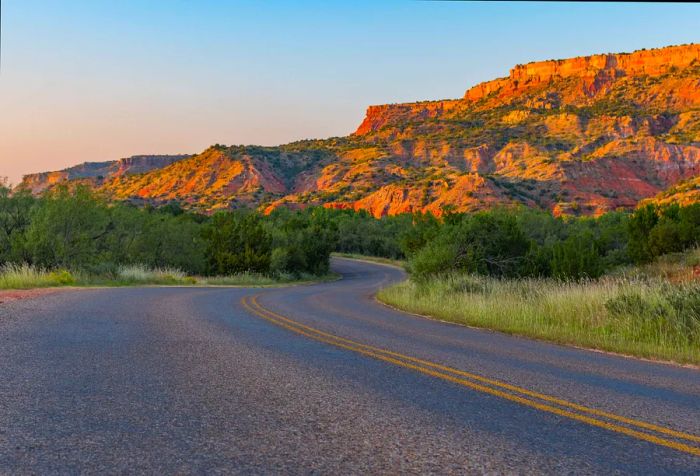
[
  {"x": 523, "y": 242},
  {"x": 490, "y": 243},
  {"x": 237, "y": 243},
  {"x": 361, "y": 234},
  {"x": 78, "y": 230},
  {"x": 655, "y": 230},
  {"x": 425, "y": 228},
  {"x": 302, "y": 241},
  {"x": 576, "y": 257},
  {"x": 640, "y": 225},
  {"x": 15, "y": 213},
  {"x": 66, "y": 228}
]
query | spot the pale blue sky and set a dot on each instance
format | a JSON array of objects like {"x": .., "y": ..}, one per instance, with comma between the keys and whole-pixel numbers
[{"x": 89, "y": 80}]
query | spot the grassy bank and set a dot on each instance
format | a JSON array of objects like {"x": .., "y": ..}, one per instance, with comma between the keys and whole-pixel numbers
[
  {"x": 29, "y": 277},
  {"x": 651, "y": 312}
]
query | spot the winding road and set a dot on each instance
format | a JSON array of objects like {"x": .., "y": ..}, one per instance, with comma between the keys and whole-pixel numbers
[{"x": 319, "y": 379}]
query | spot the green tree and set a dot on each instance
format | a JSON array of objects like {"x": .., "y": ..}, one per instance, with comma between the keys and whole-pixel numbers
[
  {"x": 237, "y": 243},
  {"x": 15, "y": 212},
  {"x": 66, "y": 227},
  {"x": 642, "y": 221},
  {"x": 576, "y": 258},
  {"x": 491, "y": 243}
]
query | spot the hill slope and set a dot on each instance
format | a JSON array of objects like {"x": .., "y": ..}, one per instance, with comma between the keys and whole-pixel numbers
[
  {"x": 96, "y": 173},
  {"x": 583, "y": 135}
]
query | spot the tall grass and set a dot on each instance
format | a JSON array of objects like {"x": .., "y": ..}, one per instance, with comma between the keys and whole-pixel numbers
[
  {"x": 140, "y": 274},
  {"x": 639, "y": 315},
  {"x": 23, "y": 276},
  {"x": 241, "y": 279},
  {"x": 14, "y": 276}
]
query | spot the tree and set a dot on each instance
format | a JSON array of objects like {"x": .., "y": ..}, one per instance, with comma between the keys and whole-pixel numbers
[
  {"x": 576, "y": 258},
  {"x": 237, "y": 243},
  {"x": 491, "y": 243},
  {"x": 65, "y": 228},
  {"x": 642, "y": 221},
  {"x": 15, "y": 212}
]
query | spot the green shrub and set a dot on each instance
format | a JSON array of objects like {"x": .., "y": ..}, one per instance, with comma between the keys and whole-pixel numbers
[
  {"x": 434, "y": 258},
  {"x": 633, "y": 304},
  {"x": 237, "y": 242},
  {"x": 685, "y": 301},
  {"x": 576, "y": 258}
]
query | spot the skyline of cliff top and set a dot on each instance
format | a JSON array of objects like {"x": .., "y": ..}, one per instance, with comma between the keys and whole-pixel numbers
[
  {"x": 87, "y": 82},
  {"x": 583, "y": 135}
]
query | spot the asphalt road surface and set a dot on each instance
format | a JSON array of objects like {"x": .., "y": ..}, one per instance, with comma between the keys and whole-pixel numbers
[{"x": 319, "y": 379}]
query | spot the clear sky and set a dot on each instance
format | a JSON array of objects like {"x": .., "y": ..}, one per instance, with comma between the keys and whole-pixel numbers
[{"x": 92, "y": 80}]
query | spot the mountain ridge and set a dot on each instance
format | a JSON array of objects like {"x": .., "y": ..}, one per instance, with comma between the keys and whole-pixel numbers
[
  {"x": 582, "y": 135},
  {"x": 96, "y": 171}
]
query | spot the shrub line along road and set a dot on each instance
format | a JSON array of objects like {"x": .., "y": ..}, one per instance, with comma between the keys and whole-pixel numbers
[{"x": 319, "y": 379}]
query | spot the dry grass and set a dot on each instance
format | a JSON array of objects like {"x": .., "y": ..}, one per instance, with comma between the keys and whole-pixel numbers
[
  {"x": 14, "y": 276},
  {"x": 638, "y": 312},
  {"x": 27, "y": 277}
]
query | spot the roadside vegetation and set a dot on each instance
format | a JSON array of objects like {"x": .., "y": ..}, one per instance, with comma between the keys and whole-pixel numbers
[
  {"x": 75, "y": 237},
  {"x": 636, "y": 314},
  {"x": 624, "y": 282}
]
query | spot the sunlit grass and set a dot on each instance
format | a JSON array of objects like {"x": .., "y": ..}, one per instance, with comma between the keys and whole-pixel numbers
[
  {"x": 13, "y": 276},
  {"x": 633, "y": 313},
  {"x": 140, "y": 274}
]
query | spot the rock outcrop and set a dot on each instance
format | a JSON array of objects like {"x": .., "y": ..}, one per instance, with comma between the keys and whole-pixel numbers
[
  {"x": 595, "y": 70},
  {"x": 98, "y": 172},
  {"x": 578, "y": 136}
]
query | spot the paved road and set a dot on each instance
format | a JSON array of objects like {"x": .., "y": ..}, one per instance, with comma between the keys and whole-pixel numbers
[{"x": 319, "y": 379}]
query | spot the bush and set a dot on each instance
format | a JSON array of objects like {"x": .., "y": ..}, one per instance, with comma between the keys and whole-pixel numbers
[
  {"x": 66, "y": 228},
  {"x": 685, "y": 301},
  {"x": 140, "y": 273},
  {"x": 237, "y": 243},
  {"x": 62, "y": 277},
  {"x": 576, "y": 258},
  {"x": 489, "y": 243},
  {"x": 634, "y": 305},
  {"x": 655, "y": 230},
  {"x": 434, "y": 258}
]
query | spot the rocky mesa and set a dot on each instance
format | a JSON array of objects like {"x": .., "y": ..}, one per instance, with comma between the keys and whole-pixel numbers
[
  {"x": 96, "y": 173},
  {"x": 577, "y": 136}
]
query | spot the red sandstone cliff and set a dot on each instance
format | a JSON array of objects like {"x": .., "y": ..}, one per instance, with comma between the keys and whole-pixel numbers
[{"x": 581, "y": 136}]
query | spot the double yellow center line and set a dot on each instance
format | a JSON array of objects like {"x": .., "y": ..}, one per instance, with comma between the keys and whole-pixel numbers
[{"x": 638, "y": 429}]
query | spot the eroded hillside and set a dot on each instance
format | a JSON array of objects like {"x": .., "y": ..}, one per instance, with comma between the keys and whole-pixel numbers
[{"x": 580, "y": 136}]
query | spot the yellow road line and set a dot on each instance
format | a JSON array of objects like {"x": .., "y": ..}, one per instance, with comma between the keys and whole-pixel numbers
[
  {"x": 252, "y": 305},
  {"x": 514, "y": 388},
  {"x": 548, "y": 398}
]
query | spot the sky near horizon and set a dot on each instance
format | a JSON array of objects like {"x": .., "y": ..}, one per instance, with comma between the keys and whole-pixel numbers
[{"x": 94, "y": 80}]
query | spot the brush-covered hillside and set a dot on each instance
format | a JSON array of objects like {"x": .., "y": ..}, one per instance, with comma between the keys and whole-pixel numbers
[{"x": 579, "y": 136}]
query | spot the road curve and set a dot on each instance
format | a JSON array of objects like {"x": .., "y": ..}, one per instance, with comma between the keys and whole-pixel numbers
[{"x": 319, "y": 379}]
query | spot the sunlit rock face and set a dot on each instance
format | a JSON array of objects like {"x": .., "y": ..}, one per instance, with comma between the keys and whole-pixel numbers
[
  {"x": 98, "y": 172},
  {"x": 577, "y": 136}
]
